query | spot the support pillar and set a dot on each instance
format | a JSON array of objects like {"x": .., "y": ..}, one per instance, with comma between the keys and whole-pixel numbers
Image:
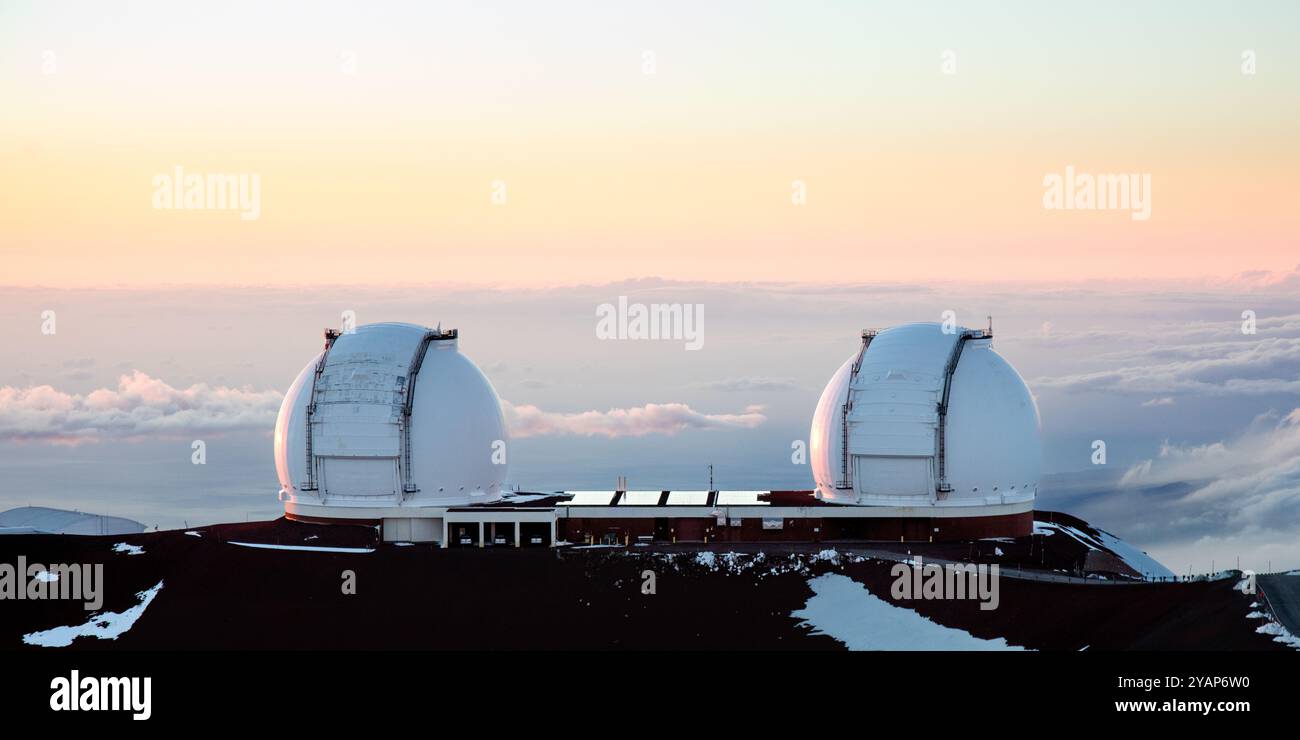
[
  {"x": 480, "y": 534},
  {"x": 517, "y": 540}
]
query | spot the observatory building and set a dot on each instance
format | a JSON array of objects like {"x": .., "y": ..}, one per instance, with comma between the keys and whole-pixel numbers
[
  {"x": 929, "y": 420},
  {"x": 390, "y": 423},
  {"x": 921, "y": 435}
]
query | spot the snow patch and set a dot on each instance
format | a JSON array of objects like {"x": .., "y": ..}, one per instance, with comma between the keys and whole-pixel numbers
[
  {"x": 521, "y": 498},
  {"x": 301, "y": 548},
  {"x": 192, "y": 533},
  {"x": 828, "y": 556},
  {"x": 1133, "y": 557},
  {"x": 1136, "y": 559},
  {"x": 104, "y": 625},
  {"x": 1279, "y": 633},
  {"x": 844, "y": 610},
  {"x": 128, "y": 549}
]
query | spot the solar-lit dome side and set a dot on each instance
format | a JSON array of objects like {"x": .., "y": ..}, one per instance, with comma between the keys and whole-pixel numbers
[
  {"x": 291, "y": 432},
  {"x": 920, "y": 416},
  {"x": 827, "y": 435},
  {"x": 392, "y": 415}
]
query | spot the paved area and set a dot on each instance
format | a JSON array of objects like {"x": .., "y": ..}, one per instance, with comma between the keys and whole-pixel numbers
[{"x": 1282, "y": 593}]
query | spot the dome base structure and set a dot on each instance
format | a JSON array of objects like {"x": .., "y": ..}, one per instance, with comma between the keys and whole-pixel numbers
[{"x": 650, "y": 517}]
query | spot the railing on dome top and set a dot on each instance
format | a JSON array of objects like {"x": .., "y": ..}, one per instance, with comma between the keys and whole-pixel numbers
[
  {"x": 942, "y": 486},
  {"x": 330, "y": 336},
  {"x": 844, "y": 482}
]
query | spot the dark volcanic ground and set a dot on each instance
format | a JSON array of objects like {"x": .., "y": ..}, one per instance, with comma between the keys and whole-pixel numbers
[{"x": 222, "y": 596}]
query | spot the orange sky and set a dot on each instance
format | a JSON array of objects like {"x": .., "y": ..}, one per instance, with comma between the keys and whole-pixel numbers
[{"x": 378, "y": 139}]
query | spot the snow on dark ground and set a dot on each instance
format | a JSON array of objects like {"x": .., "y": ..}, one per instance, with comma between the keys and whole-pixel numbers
[
  {"x": 222, "y": 595},
  {"x": 843, "y": 609}
]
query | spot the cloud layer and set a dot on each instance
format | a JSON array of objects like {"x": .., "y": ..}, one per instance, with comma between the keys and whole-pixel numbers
[
  {"x": 1242, "y": 496},
  {"x": 140, "y": 406},
  {"x": 1201, "y": 360},
  {"x": 143, "y": 406},
  {"x": 639, "y": 421},
  {"x": 750, "y": 384}
]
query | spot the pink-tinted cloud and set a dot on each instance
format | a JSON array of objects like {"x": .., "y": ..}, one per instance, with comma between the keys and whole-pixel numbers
[
  {"x": 139, "y": 406},
  {"x": 142, "y": 406},
  {"x": 652, "y": 418}
]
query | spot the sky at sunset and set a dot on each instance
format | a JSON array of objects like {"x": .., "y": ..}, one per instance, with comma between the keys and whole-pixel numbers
[
  {"x": 800, "y": 170},
  {"x": 644, "y": 139}
]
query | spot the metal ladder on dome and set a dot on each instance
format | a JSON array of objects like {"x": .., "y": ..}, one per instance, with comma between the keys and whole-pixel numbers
[
  {"x": 942, "y": 486},
  {"x": 408, "y": 403},
  {"x": 845, "y": 482},
  {"x": 330, "y": 336}
]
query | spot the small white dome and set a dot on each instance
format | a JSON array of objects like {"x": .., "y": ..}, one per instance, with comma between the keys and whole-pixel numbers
[
  {"x": 377, "y": 439},
  {"x": 899, "y": 445}
]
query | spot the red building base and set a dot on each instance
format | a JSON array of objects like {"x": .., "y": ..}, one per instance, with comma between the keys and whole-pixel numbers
[{"x": 812, "y": 529}]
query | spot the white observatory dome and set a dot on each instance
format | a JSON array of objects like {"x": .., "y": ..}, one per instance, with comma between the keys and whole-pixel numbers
[
  {"x": 917, "y": 416},
  {"x": 391, "y": 415}
]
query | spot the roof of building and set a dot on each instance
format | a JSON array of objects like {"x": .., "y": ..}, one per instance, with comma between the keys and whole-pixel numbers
[{"x": 656, "y": 498}]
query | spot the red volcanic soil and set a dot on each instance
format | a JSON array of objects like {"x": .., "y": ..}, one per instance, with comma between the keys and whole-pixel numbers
[{"x": 218, "y": 595}]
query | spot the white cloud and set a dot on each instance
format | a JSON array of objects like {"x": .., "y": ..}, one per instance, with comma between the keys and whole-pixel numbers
[
  {"x": 639, "y": 421},
  {"x": 1245, "y": 491},
  {"x": 143, "y": 406},
  {"x": 755, "y": 383},
  {"x": 1271, "y": 446},
  {"x": 1255, "y": 367},
  {"x": 140, "y": 406}
]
